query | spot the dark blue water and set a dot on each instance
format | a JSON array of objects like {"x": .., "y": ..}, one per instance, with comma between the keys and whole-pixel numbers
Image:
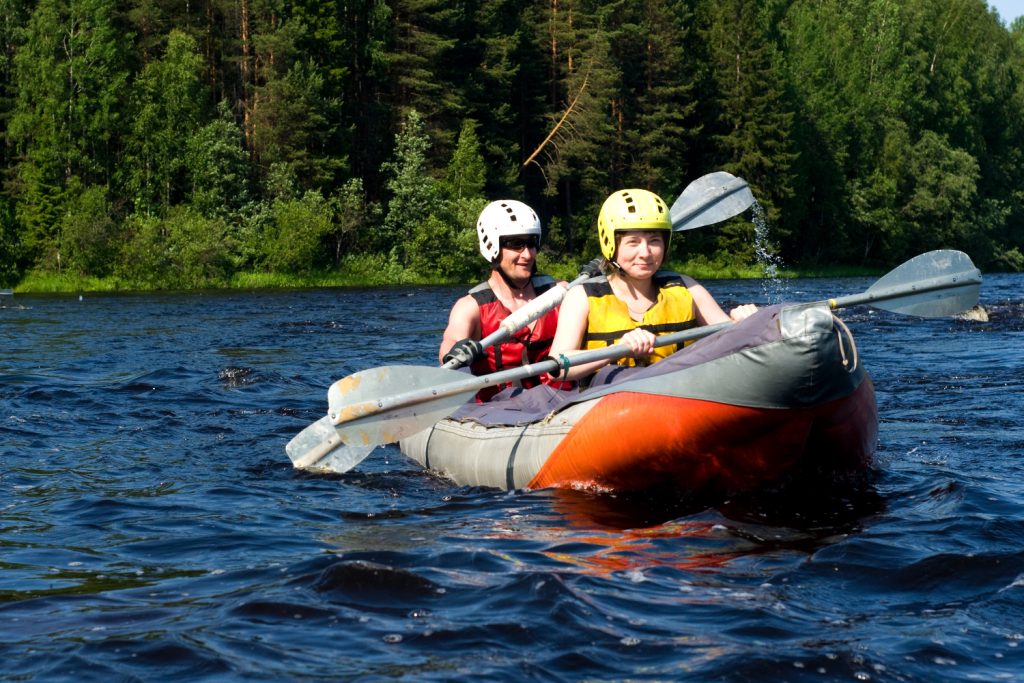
[{"x": 152, "y": 528}]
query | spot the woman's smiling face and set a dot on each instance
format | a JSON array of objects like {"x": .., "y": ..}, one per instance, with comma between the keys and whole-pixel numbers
[{"x": 640, "y": 253}]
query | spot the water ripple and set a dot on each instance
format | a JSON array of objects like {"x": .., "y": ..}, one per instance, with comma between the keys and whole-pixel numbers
[{"x": 151, "y": 527}]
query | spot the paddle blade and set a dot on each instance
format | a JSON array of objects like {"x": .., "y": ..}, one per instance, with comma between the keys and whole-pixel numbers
[
  {"x": 712, "y": 198},
  {"x": 935, "y": 284},
  {"x": 372, "y": 398},
  {"x": 321, "y": 446},
  {"x": 313, "y": 443},
  {"x": 344, "y": 458},
  {"x": 378, "y": 406}
]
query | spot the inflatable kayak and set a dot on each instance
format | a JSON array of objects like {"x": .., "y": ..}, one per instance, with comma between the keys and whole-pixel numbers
[{"x": 776, "y": 394}]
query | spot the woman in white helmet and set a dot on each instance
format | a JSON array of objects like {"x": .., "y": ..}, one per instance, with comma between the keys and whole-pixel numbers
[
  {"x": 509, "y": 233},
  {"x": 636, "y": 301}
]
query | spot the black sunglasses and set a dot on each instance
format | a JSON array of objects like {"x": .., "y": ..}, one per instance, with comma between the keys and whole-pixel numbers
[{"x": 519, "y": 243}]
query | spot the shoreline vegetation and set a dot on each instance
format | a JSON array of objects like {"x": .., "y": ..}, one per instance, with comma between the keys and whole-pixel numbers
[
  {"x": 365, "y": 272},
  {"x": 150, "y": 146}
]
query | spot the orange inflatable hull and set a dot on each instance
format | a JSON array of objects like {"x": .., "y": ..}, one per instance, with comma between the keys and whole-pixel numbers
[
  {"x": 782, "y": 393},
  {"x": 703, "y": 445}
]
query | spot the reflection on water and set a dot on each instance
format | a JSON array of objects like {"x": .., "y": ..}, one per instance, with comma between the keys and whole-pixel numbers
[{"x": 604, "y": 533}]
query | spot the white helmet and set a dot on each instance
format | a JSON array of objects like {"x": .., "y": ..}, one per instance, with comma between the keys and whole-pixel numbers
[{"x": 503, "y": 218}]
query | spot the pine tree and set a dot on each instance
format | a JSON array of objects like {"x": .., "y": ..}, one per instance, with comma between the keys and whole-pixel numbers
[
  {"x": 752, "y": 123},
  {"x": 467, "y": 173},
  {"x": 168, "y": 104},
  {"x": 414, "y": 193},
  {"x": 366, "y": 117},
  {"x": 70, "y": 76},
  {"x": 13, "y": 17},
  {"x": 291, "y": 125},
  {"x": 659, "y": 124},
  {"x": 423, "y": 71},
  {"x": 578, "y": 159},
  {"x": 504, "y": 89}
]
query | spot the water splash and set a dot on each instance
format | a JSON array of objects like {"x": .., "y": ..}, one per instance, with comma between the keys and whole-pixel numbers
[{"x": 774, "y": 287}]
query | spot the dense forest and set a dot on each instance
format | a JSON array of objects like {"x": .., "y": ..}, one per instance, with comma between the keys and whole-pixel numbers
[{"x": 179, "y": 143}]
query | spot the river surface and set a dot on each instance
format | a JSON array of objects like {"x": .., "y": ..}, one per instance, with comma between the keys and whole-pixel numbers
[{"x": 153, "y": 529}]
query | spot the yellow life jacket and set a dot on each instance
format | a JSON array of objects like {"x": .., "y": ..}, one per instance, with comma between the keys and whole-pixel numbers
[{"x": 609, "y": 317}]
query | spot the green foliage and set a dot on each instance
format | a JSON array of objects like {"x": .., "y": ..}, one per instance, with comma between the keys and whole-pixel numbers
[
  {"x": 167, "y": 105},
  {"x": 362, "y": 138},
  {"x": 376, "y": 269},
  {"x": 281, "y": 181},
  {"x": 294, "y": 241},
  {"x": 753, "y": 126},
  {"x": 435, "y": 248},
  {"x": 70, "y": 77},
  {"x": 89, "y": 235},
  {"x": 144, "y": 259},
  {"x": 422, "y": 63},
  {"x": 292, "y": 125},
  {"x": 661, "y": 99},
  {"x": 10, "y": 247},
  {"x": 183, "y": 250},
  {"x": 218, "y": 166},
  {"x": 415, "y": 195},
  {"x": 941, "y": 200},
  {"x": 1011, "y": 260},
  {"x": 467, "y": 173},
  {"x": 355, "y": 216},
  {"x": 505, "y": 87},
  {"x": 198, "y": 248}
]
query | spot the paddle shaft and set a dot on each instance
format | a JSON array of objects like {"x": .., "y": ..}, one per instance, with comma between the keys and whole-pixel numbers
[
  {"x": 524, "y": 316},
  {"x": 935, "y": 284},
  {"x": 475, "y": 383},
  {"x": 393, "y": 402}
]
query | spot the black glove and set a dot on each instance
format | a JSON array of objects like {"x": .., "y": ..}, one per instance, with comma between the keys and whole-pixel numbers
[
  {"x": 465, "y": 352},
  {"x": 593, "y": 269}
]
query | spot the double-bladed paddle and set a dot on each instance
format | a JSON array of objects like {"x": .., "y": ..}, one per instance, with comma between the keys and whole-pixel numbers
[
  {"x": 712, "y": 198},
  {"x": 383, "y": 405}
]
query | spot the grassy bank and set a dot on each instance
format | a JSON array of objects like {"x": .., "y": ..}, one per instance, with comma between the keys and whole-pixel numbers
[{"x": 375, "y": 272}]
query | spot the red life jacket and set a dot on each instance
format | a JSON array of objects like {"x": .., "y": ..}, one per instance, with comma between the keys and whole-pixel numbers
[{"x": 525, "y": 346}]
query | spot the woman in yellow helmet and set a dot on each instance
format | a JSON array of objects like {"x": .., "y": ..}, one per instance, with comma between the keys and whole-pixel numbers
[{"x": 635, "y": 301}]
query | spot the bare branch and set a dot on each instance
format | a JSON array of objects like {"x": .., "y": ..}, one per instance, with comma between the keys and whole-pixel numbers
[{"x": 560, "y": 121}]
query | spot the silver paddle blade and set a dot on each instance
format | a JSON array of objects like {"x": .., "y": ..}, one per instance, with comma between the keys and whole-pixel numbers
[
  {"x": 935, "y": 284},
  {"x": 710, "y": 199},
  {"x": 343, "y": 459},
  {"x": 320, "y": 446},
  {"x": 383, "y": 405},
  {"x": 378, "y": 406},
  {"x": 313, "y": 443}
]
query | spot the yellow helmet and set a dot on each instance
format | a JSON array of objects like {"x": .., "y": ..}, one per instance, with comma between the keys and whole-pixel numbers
[{"x": 631, "y": 210}]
